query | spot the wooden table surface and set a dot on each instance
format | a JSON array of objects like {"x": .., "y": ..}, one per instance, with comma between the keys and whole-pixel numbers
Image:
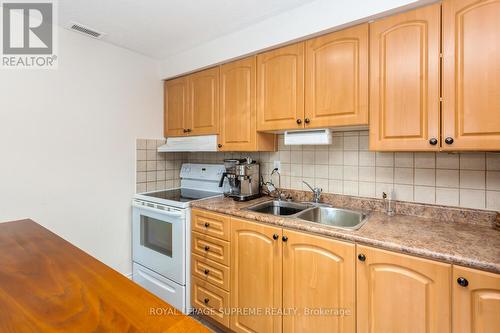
[{"x": 49, "y": 285}]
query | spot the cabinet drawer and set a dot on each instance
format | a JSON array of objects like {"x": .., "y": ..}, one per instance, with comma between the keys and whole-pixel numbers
[
  {"x": 210, "y": 271},
  {"x": 210, "y": 300},
  {"x": 210, "y": 247},
  {"x": 212, "y": 224}
]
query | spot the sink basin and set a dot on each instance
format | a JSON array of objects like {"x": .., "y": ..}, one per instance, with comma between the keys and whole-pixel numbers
[
  {"x": 280, "y": 208},
  {"x": 335, "y": 217}
]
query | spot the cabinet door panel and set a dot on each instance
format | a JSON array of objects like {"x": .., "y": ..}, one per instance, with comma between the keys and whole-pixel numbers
[
  {"x": 404, "y": 80},
  {"x": 476, "y": 307},
  {"x": 280, "y": 88},
  {"x": 337, "y": 78},
  {"x": 471, "y": 74},
  {"x": 203, "y": 116},
  {"x": 256, "y": 276},
  {"x": 319, "y": 274},
  {"x": 399, "y": 293},
  {"x": 176, "y": 99},
  {"x": 238, "y": 115}
]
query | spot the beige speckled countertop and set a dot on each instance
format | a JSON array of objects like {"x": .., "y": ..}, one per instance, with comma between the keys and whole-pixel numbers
[{"x": 470, "y": 244}]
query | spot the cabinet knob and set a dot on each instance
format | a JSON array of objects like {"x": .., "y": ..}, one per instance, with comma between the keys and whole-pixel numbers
[
  {"x": 207, "y": 224},
  {"x": 206, "y": 300},
  {"x": 185, "y": 130},
  {"x": 189, "y": 130},
  {"x": 307, "y": 120},
  {"x": 275, "y": 236},
  {"x": 462, "y": 281},
  {"x": 284, "y": 238},
  {"x": 448, "y": 140},
  {"x": 361, "y": 257},
  {"x": 299, "y": 121},
  {"x": 207, "y": 247},
  {"x": 206, "y": 271},
  {"x": 219, "y": 145},
  {"x": 433, "y": 141}
]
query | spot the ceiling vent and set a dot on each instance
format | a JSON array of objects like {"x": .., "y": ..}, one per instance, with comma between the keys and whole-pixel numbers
[{"x": 80, "y": 28}]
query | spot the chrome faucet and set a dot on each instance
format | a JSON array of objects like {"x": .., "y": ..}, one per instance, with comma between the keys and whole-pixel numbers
[{"x": 316, "y": 191}]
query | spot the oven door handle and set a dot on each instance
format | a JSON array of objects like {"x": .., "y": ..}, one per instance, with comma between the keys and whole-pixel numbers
[{"x": 161, "y": 211}]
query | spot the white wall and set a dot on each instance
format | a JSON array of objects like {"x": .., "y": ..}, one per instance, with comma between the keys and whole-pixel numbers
[
  {"x": 67, "y": 143},
  {"x": 298, "y": 23}
]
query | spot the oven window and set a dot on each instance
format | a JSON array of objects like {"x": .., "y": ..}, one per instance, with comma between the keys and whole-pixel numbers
[{"x": 156, "y": 235}]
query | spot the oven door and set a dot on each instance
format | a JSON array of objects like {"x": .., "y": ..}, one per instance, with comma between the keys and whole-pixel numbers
[{"x": 159, "y": 240}]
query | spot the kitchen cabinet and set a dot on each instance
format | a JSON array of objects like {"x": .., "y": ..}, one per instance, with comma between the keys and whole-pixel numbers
[
  {"x": 280, "y": 88},
  {"x": 319, "y": 275},
  {"x": 471, "y": 71},
  {"x": 476, "y": 301},
  {"x": 176, "y": 107},
  {"x": 238, "y": 114},
  {"x": 400, "y": 293},
  {"x": 404, "y": 81},
  {"x": 210, "y": 264},
  {"x": 192, "y": 104},
  {"x": 203, "y": 115},
  {"x": 336, "y": 79},
  {"x": 256, "y": 276}
]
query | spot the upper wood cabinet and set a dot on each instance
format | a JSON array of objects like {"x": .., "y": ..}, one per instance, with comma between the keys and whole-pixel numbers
[
  {"x": 318, "y": 273},
  {"x": 192, "y": 104},
  {"x": 404, "y": 81},
  {"x": 238, "y": 117},
  {"x": 256, "y": 276},
  {"x": 176, "y": 107},
  {"x": 336, "y": 79},
  {"x": 203, "y": 116},
  {"x": 280, "y": 88},
  {"x": 471, "y": 74},
  {"x": 399, "y": 293},
  {"x": 476, "y": 301}
]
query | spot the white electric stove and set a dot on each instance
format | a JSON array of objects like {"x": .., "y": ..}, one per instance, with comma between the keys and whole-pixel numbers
[{"x": 161, "y": 237}]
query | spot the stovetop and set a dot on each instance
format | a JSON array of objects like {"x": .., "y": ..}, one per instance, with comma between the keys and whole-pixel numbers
[{"x": 181, "y": 194}]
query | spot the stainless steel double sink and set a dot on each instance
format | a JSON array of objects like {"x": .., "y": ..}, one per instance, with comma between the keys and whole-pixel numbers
[{"x": 316, "y": 213}]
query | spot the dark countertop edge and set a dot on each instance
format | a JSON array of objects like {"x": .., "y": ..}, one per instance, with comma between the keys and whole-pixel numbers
[{"x": 350, "y": 236}]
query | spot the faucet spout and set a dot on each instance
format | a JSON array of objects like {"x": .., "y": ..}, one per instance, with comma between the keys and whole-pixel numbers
[{"x": 316, "y": 191}]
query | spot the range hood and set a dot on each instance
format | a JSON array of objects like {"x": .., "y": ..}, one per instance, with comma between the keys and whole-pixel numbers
[
  {"x": 190, "y": 144},
  {"x": 309, "y": 137}
]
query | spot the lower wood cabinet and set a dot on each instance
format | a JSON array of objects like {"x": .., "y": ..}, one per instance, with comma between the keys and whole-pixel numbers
[
  {"x": 266, "y": 279},
  {"x": 299, "y": 282},
  {"x": 319, "y": 277},
  {"x": 256, "y": 276},
  {"x": 399, "y": 293},
  {"x": 476, "y": 301}
]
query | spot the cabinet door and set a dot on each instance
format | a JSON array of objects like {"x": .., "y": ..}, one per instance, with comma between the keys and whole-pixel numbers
[
  {"x": 203, "y": 116},
  {"x": 476, "y": 305},
  {"x": 399, "y": 293},
  {"x": 176, "y": 99},
  {"x": 471, "y": 74},
  {"x": 238, "y": 115},
  {"x": 256, "y": 283},
  {"x": 404, "y": 81},
  {"x": 319, "y": 275},
  {"x": 336, "y": 86},
  {"x": 280, "y": 88}
]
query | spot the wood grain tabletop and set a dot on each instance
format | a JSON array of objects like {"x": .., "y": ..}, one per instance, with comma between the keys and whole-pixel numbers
[{"x": 49, "y": 285}]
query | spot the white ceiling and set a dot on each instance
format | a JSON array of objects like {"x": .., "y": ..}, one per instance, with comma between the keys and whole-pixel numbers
[{"x": 162, "y": 28}]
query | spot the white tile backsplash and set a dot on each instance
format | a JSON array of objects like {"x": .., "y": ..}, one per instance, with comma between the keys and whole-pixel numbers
[{"x": 347, "y": 167}]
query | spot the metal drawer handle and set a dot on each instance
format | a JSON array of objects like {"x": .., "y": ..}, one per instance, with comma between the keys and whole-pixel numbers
[
  {"x": 207, "y": 247},
  {"x": 206, "y": 271}
]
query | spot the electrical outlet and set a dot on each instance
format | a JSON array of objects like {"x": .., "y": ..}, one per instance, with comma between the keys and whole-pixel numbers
[{"x": 277, "y": 164}]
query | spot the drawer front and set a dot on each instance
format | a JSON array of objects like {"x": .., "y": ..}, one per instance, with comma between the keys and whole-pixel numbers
[
  {"x": 212, "y": 224},
  {"x": 210, "y": 300},
  {"x": 211, "y": 248},
  {"x": 210, "y": 271}
]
